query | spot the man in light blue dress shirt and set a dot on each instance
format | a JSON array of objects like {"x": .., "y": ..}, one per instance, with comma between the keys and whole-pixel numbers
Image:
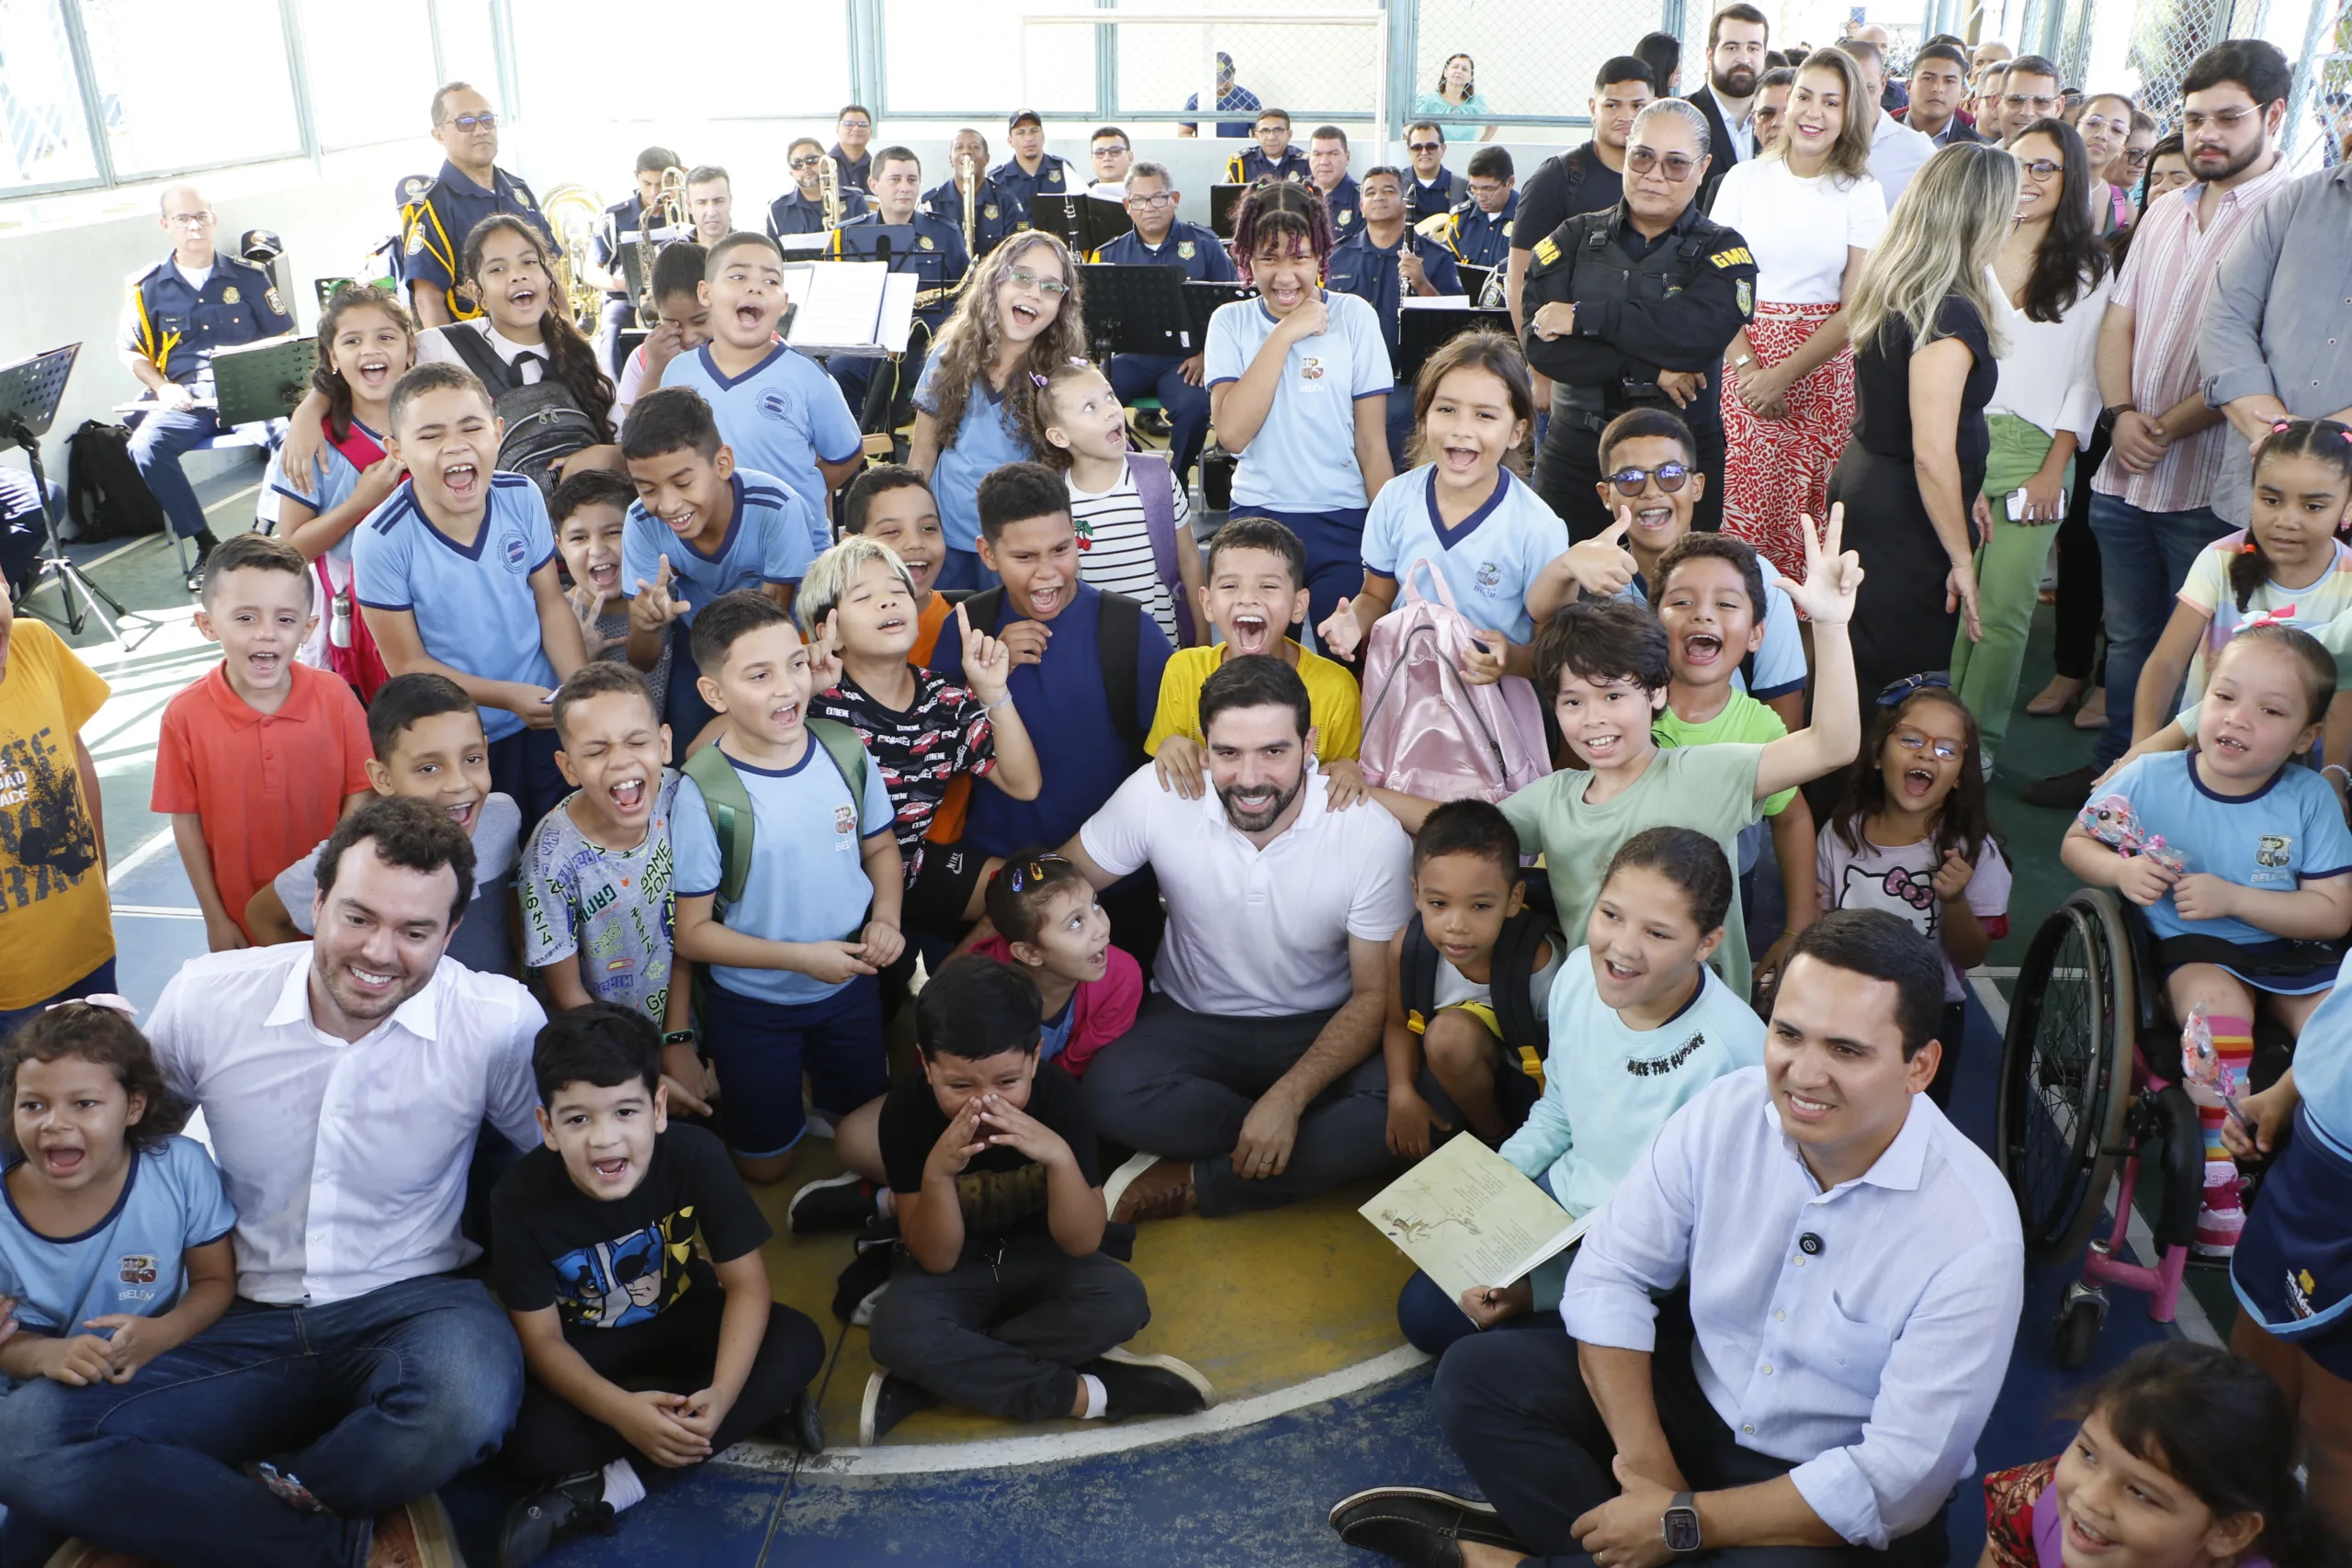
[{"x": 1855, "y": 1271}]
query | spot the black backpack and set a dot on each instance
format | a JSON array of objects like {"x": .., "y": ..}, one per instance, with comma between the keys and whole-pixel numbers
[
  {"x": 544, "y": 423},
  {"x": 106, "y": 497},
  {"x": 1525, "y": 1030}
]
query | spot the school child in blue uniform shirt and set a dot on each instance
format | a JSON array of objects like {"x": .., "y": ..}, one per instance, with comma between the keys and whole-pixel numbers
[
  {"x": 1161, "y": 238},
  {"x": 1382, "y": 263}
]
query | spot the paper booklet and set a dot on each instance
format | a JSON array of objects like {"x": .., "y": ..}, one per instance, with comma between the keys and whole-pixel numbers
[
  {"x": 1470, "y": 1220},
  {"x": 851, "y": 308}
]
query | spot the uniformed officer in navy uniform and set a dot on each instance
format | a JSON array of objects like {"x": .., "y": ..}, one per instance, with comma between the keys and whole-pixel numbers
[
  {"x": 470, "y": 187},
  {"x": 1431, "y": 187},
  {"x": 1381, "y": 263},
  {"x": 617, "y": 240},
  {"x": 1272, "y": 159},
  {"x": 1634, "y": 308},
  {"x": 992, "y": 214},
  {"x": 919, "y": 241},
  {"x": 1161, "y": 238},
  {"x": 1031, "y": 171},
  {"x": 1327, "y": 170},
  {"x": 195, "y": 300},
  {"x": 802, "y": 210},
  {"x": 853, "y": 134},
  {"x": 1481, "y": 227}
]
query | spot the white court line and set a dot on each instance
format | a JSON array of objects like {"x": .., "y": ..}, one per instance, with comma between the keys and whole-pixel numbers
[
  {"x": 158, "y": 912},
  {"x": 151, "y": 848}
]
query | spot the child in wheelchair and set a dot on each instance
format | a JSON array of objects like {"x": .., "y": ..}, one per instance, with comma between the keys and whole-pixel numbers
[{"x": 2241, "y": 861}]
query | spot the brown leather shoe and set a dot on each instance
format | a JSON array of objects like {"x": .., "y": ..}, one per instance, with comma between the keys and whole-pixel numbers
[
  {"x": 1161, "y": 1193},
  {"x": 415, "y": 1535}
]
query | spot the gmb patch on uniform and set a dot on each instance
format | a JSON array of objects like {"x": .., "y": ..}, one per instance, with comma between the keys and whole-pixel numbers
[
  {"x": 1738, "y": 255},
  {"x": 1547, "y": 251}
]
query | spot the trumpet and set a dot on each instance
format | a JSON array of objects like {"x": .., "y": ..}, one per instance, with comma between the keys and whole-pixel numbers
[
  {"x": 670, "y": 209},
  {"x": 573, "y": 213},
  {"x": 829, "y": 186}
]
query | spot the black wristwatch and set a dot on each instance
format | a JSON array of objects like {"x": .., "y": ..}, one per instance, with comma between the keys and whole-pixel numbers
[
  {"x": 1680, "y": 1526},
  {"x": 679, "y": 1037}
]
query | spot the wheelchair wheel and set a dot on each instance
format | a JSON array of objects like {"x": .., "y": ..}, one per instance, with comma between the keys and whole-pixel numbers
[
  {"x": 2079, "y": 1322},
  {"x": 2067, "y": 1073}
]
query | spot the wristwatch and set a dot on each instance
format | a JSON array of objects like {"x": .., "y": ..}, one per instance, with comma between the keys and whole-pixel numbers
[
  {"x": 1680, "y": 1526},
  {"x": 679, "y": 1037}
]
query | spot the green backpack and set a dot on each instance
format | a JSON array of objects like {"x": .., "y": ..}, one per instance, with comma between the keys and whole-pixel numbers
[{"x": 730, "y": 803}]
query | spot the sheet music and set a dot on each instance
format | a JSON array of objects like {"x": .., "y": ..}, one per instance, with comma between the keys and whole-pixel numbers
[
  {"x": 838, "y": 305},
  {"x": 805, "y": 244}
]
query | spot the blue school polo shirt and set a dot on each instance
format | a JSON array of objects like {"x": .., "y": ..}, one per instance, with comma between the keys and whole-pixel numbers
[
  {"x": 1488, "y": 562},
  {"x": 474, "y": 603},
  {"x": 1062, "y": 701},
  {"x": 808, "y": 880},
  {"x": 342, "y": 480},
  {"x": 766, "y": 540},
  {"x": 129, "y": 1263},
  {"x": 1303, "y": 456},
  {"x": 782, "y": 417},
  {"x": 2324, "y": 1061},
  {"x": 985, "y": 442},
  {"x": 2289, "y": 832}
]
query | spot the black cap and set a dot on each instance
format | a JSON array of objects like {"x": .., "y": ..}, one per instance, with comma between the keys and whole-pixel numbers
[
  {"x": 260, "y": 247},
  {"x": 1017, "y": 116}
]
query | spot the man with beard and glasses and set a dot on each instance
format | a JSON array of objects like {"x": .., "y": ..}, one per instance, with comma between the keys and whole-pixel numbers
[
  {"x": 343, "y": 1081},
  {"x": 1253, "y": 1075},
  {"x": 1736, "y": 40}
]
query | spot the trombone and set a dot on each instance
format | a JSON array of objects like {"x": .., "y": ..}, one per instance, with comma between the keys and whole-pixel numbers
[{"x": 670, "y": 209}]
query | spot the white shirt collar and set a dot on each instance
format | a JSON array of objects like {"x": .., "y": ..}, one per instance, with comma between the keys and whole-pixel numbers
[
  {"x": 1899, "y": 1165},
  {"x": 418, "y": 1015}
]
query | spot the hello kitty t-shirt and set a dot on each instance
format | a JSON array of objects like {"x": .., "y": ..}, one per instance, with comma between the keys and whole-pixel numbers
[{"x": 1902, "y": 882}]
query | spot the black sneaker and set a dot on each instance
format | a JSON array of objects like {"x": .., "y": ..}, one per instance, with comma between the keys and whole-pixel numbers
[
  {"x": 866, "y": 1277},
  {"x": 801, "y": 1427},
  {"x": 1139, "y": 1384},
  {"x": 844, "y": 1202},
  {"x": 204, "y": 544},
  {"x": 2065, "y": 790},
  {"x": 889, "y": 1399},
  {"x": 569, "y": 1510},
  {"x": 1418, "y": 1525}
]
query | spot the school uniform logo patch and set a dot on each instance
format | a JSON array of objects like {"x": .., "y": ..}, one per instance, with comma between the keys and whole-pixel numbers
[
  {"x": 518, "y": 553},
  {"x": 845, "y": 819},
  {"x": 231, "y": 296},
  {"x": 773, "y": 405},
  {"x": 138, "y": 1268},
  {"x": 2272, "y": 850},
  {"x": 1311, "y": 370}
]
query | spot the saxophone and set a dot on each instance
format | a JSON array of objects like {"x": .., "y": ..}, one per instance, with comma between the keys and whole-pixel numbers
[
  {"x": 670, "y": 210},
  {"x": 829, "y": 186}
]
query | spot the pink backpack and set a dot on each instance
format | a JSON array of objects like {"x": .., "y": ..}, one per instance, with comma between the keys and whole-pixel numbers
[{"x": 1426, "y": 730}]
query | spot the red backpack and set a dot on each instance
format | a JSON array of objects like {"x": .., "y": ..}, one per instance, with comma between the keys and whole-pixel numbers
[{"x": 350, "y": 648}]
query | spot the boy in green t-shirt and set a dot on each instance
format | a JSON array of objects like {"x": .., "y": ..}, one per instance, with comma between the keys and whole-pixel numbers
[{"x": 1606, "y": 666}]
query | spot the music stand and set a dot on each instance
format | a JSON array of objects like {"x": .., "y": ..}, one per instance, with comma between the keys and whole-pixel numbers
[
  {"x": 1474, "y": 278},
  {"x": 1084, "y": 223},
  {"x": 254, "y": 383},
  {"x": 1223, "y": 199},
  {"x": 31, "y": 390},
  {"x": 1203, "y": 301},
  {"x": 325, "y": 286},
  {"x": 1137, "y": 309},
  {"x": 1423, "y": 330}
]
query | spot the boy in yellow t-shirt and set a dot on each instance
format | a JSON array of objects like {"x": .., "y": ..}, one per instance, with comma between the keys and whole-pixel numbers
[
  {"x": 1256, "y": 589},
  {"x": 54, "y": 922}
]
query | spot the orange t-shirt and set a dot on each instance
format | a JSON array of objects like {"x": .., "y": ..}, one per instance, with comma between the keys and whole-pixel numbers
[
  {"x": 947, "y": 822},
  {"x": 55, "y": 925},
  {"x": 928, "y": 620},
  {"x": 267, "y": 787}
]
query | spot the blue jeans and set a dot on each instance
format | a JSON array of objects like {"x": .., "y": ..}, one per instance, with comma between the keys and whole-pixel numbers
[
  {"x": 370, "y": 1403},
  {"x": 2145, "y": 557},
  {"x": 97, "y": 981},
  {"x": 1136, "y": 376}
]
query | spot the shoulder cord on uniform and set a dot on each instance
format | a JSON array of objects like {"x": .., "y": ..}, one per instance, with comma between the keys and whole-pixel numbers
[{"x": 150, "y": 347}]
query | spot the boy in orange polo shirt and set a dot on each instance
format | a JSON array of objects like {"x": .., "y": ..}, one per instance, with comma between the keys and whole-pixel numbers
[{"x": 260, "y": 759}]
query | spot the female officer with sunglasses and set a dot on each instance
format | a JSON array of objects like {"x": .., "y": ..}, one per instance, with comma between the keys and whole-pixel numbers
[{"x": 1633, "y": 307}]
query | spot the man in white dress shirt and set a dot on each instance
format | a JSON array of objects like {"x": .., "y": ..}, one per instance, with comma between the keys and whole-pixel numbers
[
  {"x": 342, "y": 1082},
  {"x": 1854, "y": 1269},
  {"x": 1897, "y": 149}
]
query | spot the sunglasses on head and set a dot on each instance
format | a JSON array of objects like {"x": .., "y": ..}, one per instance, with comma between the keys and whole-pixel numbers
[{"x": 1669, "y": 477}]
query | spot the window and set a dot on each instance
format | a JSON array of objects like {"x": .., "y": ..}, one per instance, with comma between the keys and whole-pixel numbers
[
  {"x": 185, "y": 86},
  {"x": 48, "y": 139},
  {"x": 750, "y": 63},
  {"x": 370, "y": 69},
  {"x": 960, "y": 57}
]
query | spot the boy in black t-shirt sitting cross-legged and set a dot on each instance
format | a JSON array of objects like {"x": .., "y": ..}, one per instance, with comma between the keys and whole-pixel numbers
[
  {"x": 1005, "y": 1302},
  {"x": 644, "y": 1360}
]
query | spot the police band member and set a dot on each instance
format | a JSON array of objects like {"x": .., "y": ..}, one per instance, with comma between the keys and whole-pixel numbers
[
  {"x": 1590, "y": 178},
  {"x": 853, "y": 133},
  {"x": 470, "y": 187},
  {"x": 710, "y": 203},
  {"x": 1111, "y": 157},
  {"x": 1384, "y": 261},
  {"x": 194, "y": 301},
  {"x": 1480, "y": 227},
  {"x": 992, "y": 214},
  {"x": 1161, "y": 238},
  {"x": 1031, "y": 171},
  {"x": 802, "y": 210},
  {"x": 1327, "y": 170},
  {"x": 1272, "y": 159},
  {"x": 899, "y": 231},
  {"x": 618, "y": 250},
  {"x": 1434, "y": 188},
  {"x": 1634, "y": 307}
]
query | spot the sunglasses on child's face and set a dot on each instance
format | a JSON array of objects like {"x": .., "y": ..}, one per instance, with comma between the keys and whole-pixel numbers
[
  {"x": 1632, "y": 482},
  {"x": 1031, "y": 873}
]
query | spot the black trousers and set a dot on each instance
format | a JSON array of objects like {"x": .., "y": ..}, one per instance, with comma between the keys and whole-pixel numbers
[
  {"x": 1568, "y": 467},
  {"x": 676, "y": 1352},
  {"x": 2080, "y": 607},
  {"x": 1516, "y": 1409},
  {"x": 1901, "y": 627}
]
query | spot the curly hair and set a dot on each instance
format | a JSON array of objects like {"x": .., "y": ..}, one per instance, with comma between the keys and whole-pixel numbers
[
  {"x": 1964, "y": 824},
  {"x": 1281, "y": 210},
  {"x": 571, "y": 358},
  {"x": 325, "y": 380},
  {"x": 105, "y": 1038},
  {"x": 967, "y": 344}
]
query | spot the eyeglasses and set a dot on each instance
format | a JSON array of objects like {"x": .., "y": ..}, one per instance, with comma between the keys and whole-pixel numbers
[
  {"x": 476, "y": 122},
  {"x": 1051, "y": 287},
  {"x": 853, "y": 124},
  {"x": 1632, "y": 482},
  {"x": 1424, "y": 146},
  {"x": 192, "y": 219},
  {"x": 2104, "y": 122},
  {"x": 1642, "y": 160},
  {"x": 2228, "y": 120},
  {"x": 1942, "y": 751},
  {"x": 2136, "y": 156},
  {"x": 808, "y": 161},
  {"x": 1153, "y": 203},
  {"x": 2039, "y": 168},
  {"x": 2022, "y": 101},
  {"x": 1031, "y": 873}
]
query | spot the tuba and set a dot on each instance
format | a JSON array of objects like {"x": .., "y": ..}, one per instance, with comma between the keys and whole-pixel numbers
[
  {"x": 670, "y": 209},
  {"x": 573, "y": 214}
]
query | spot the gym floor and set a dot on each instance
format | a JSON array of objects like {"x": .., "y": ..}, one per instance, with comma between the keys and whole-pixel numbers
[{"x": 1290, "y": 1313}]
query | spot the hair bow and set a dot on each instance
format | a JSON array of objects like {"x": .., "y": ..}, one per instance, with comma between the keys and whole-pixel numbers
[
  {"x": 106, "y": 1000},
  {"x": 1033, "y": 376},
  {"x": 2284, "y": 615},
  {"x": 1894, "y": 692}
]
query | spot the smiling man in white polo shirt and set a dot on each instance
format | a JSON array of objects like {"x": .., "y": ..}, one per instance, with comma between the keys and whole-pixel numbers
[
  {"x": 343, "y": 1083},
  {"x": 1253, "y": 1072}
]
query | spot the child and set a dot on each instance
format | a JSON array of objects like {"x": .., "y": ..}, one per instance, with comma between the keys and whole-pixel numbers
[
  {"x": 1080, "y": 430},
  {"x": 1710, "y": 600},
  {"x": 1911, "y": 836},
  {"x": 590, "y": 514},
  {"x": 114, "y": 1242},
  {"x": 1005, "y": 1301},
  {"x": 428, "y": 742},
  {"x": 685, "y": 322},
  {"x": 1020, "y": 317},
  {"x": 1465, "y": 510},
  {"x": 892, "y": 504},
  {"x": 775, "y": 406},
  {"x": 1256, "y": 591},
  {"x": 2185, "y": 1459},
  {"x": 923, "y": 730},
  {"x": 457, "y": 576},
  {"x": 701, "y": 527},
  {"x": 2250, "y": 892},
  {"x": 259, "y": 759},
  {"x": 2289, "y": 567},
  {"x": 1606, "y": 668},
  {"x": 1472, "y": 930},
  {"x": 1644, "y": 1026},
  {"x": 644, "y": 1358},
  {"x": 367, "y": 342},
  {"x": 1298, "y": 389},
  {"x": 811, "y": 913},
  {"x": 1654, "y": 485}
]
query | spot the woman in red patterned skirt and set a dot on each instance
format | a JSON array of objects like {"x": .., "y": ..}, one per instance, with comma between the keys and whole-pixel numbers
[{"x": 1810, "y": 210}]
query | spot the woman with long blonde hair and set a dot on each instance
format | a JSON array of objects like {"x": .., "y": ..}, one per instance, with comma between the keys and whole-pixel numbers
[
  {"x": 1810, "y": 211},
  {"x": 1925, "y": 368}
]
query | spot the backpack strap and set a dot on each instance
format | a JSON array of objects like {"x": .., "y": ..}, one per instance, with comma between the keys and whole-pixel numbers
[
  {"x": 482, "y": 359},
  {"x": 846, "y": 747},
  {"x": 1119, "y": 639},
  {"x": 362, "y": 449},
  {"x": 1417, "y": 974},
  {"x": 730, "y": 804},
  {"x": 1155, "y": 489},
  {"x": 1514, "y": 970}
]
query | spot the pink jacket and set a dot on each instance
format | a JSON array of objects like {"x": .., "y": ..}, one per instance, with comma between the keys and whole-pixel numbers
[{"x": 1105, "y": 1008}]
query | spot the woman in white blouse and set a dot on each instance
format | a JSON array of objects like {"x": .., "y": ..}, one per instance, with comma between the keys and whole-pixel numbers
[
  {"x": 1810, "y": 211},
  {"x": 2054, "y": 279}
]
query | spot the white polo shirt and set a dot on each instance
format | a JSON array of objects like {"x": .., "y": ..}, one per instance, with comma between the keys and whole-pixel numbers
[
  {"x": 346, "y": 1161},
  {"x": 1252, "y": 932}
]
